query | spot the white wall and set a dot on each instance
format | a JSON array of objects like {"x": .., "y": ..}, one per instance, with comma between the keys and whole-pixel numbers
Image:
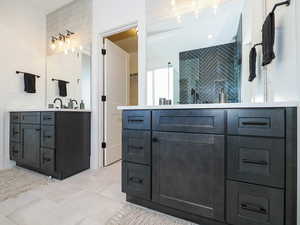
[
  {"x": 282, "y": 77},
  {"x": 22, "y": 44}
]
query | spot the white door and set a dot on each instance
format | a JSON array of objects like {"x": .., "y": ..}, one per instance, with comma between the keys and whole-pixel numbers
[{"x": 116, "y": 82}]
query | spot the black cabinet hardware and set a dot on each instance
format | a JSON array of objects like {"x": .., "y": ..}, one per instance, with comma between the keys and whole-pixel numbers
[
  {"x": 136, "y": 147},
  {"x": 261, "y": 163},
  {"x": 136, "y": 180},
  {"x": 253, "y": 208},
  {"x": 254, "y": 123},
  {"x": 155, "y": 140},
  {"x": 135, "y": 121},
  {"x": 45, "y": 159},
  {"x": 15, "y": 133}
]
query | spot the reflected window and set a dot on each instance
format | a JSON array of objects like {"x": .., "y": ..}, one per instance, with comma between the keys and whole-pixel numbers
[{"x": 160, "y": 84}]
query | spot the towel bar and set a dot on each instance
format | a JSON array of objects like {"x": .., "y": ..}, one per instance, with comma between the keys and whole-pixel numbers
[
  {"x": 59, "y": 80},
  {"x": 18, "y": 72}
]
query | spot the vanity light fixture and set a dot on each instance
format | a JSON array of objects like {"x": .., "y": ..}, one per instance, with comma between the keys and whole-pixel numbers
[
  {"x": 63, "y": 42},
  {"x": 53, "y": 43},
  {"x": 179, "y": 9}
]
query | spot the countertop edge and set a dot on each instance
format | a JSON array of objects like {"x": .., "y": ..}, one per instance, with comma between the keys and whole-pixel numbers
[{"x": 214, "y": 106}]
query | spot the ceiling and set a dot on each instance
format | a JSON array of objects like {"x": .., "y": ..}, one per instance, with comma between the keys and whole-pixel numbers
[{"x": 48, "y": 6}]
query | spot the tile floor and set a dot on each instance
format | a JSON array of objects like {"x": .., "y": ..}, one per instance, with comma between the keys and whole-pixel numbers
[{"x": 89, "y": 198}]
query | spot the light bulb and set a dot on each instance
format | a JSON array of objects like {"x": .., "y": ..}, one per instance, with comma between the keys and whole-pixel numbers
[
  {"x": 53, "y": 46},
  {"x": 60, "y": 43},
  {"x": 68, "y": 40},
  {"x": 73, "y": 49},
  {"x": 66, "y": 51},
  {"x": 173, "y": 3},
  {"x": 80, "y": 47}
]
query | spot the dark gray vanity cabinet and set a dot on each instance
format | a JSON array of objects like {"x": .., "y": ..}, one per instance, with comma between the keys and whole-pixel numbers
[
  {"x": 188, "y": 172},
  {"x": 213, "y": 166},
  {"x": 30, "y": 142},
  {"x": 54, "y": 143}
]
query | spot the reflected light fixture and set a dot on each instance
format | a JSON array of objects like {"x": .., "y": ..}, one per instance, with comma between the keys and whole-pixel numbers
[
  {"x": 181, "y": 8},
  {"x": 63, "y": 42}
]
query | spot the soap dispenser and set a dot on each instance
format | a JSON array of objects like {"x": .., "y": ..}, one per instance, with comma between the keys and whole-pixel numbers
[
  {"x": 82, "y": 105},
  {"x": 222, "y": 96}
]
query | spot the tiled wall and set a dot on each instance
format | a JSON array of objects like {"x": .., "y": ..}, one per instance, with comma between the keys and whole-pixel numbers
[
  {"x": 204, "y": 72},
  {"x": 76, "y": 17}
]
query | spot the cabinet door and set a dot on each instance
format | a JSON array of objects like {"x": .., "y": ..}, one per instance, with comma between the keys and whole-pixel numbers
[
  {"x": 188, "y": 173},
  {"x": 30, "y": 145}
]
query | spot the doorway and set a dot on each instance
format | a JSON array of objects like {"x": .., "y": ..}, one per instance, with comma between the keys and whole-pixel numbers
[{"x": 120, "y": 87}]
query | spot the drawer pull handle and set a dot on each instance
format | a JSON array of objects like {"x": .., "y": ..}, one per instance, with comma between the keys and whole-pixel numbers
[
  {"x": 45, "y": 159},
  {"x": 255, "y": 123},
  {"x": 261, "y": 163},
  {"x": 15, "y": 133},
  {"x": 136, "y": 121},
  {"x": 136, "y": 147},
  {"x": 15, "y": 118},
  {"x": 136, "y": 180},
  {"x": 154, "y": 140},
  {"x": 47, "y": 118},
  {"x": 45, "y": 136},
  {"x": 253, "y": 208}
]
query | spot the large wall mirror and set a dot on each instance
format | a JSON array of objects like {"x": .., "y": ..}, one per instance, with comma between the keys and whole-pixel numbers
[
  {"x": 194, "y": 51},
  {"x": 73, "y": 67}
]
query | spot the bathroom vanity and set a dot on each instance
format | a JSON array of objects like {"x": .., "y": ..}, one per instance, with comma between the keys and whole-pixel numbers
[
  {"x": 55, "y": 143},
  {"x": 213, "y": 164}
]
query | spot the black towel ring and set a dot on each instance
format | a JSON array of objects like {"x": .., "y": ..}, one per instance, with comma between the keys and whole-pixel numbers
[
  {"x": 18, "y": 72},
  {"x": 287, "y": 3}
]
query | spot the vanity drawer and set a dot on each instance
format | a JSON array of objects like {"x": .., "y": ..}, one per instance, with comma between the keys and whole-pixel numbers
[
  {"x": 138, "y": 120},
  {"x": 208, "y": 121},
  {"x": 136, "y": 146},
  {"x": 15, "y": 132},
  {"x": 257, "y": 122},
  {"x": 254, "y": 205},
  {"x": 48, "y": 118},
  {"x": 48, "y": 160},
  {"x": 15, "y": 150},
  {"x": 48, "y": 137},
  {"x": 256, "y": 160},
  {"x": 31, "y": 117},
  {"x": 15, "y": 117},
  {"x": 137, "y": 180}
]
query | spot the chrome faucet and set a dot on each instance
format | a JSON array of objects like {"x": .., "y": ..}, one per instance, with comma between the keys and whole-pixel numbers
[
  {"x": 61, "y": 102},
  {"x": 74, "y": 100}
]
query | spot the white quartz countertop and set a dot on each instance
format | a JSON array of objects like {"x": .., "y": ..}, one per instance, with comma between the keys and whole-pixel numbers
[
  {"x": 215, "y": 106},
  {"x": 48, "y": 110}
]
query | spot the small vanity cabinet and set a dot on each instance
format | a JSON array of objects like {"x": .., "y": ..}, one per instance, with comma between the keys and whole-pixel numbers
[
  {"x": 213, "y": 166},
  {"x": 54, "y": 143}
]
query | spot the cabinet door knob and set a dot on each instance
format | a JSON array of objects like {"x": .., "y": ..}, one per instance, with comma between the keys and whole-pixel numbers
[{"x": 154, "y": 139}]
